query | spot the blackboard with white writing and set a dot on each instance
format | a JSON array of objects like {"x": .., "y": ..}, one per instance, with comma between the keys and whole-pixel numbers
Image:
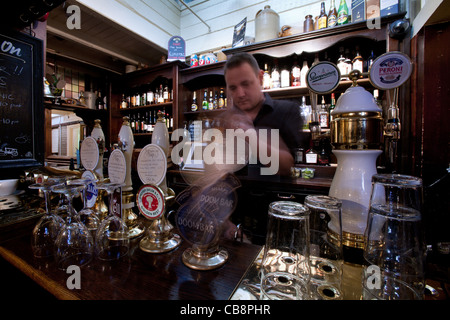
[{"x": 21, "y": 100}]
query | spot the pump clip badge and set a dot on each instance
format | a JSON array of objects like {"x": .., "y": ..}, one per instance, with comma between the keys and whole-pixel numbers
[{"x": 150, "y": 200}]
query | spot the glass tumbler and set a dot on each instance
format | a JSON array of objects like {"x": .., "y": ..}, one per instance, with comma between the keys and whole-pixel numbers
[
  {"x": 325, "y": 251},
  {"x": 394, "y": 250},
  {"x": 285, "y": 269}
]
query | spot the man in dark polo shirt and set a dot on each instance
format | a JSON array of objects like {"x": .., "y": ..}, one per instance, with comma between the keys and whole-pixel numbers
[{"x": 253, "y": 109}]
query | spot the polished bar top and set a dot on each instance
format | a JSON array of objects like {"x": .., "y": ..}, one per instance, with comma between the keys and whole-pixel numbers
[{"x": 143, "y": 276}]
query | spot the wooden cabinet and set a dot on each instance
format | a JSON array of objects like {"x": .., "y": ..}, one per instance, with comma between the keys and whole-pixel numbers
[{"x": 139, "y": 83}]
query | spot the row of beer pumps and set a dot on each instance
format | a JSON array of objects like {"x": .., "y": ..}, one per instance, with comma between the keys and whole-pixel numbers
[
  {"x": 359, "y": 132},
  {"x": 154, "y": 197}
]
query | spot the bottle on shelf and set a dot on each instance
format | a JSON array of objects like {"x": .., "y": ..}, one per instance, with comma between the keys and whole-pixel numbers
[
  {"x": 132, "y": 123},
  {"x": 123, "y": 103},
  {"x": 275, "y": 77},
  {"x": 211, "y": 101},
  {"x": 132, "y": 100},
  {"x": 342, "y": 13},
  {"x": 332, "y": 106},
  {"x": 161, "y": 94},
  {"x": 137, "y": 125},
  {"x": 150, "y": 97},
  {"x": 348, "y": 61},
  {"x": 342, "y": 66},
  {"x": 216, "y": 100},
  {"x": 146, "y": 122},
  {"x": 221, "y": 103},
  {"x": 323, "y": 114},
  {"x": 303, "y": 74},
  {"x": 156, "y": 96},
  {"x": 305, "y": 114},
  {"x": 285, "y": 77},
  {"x": 358, "y": 63},
  {"x": 266, "y": 78},
  {"x": 332, "y": 15},
  {"x": 137, "y": 99},
  {"x": 99, "y": 103},
  {"x": 323, "y": 17},
  {"x": 324, "y": 157},
  {"x": 143, "y": 98},
  {"x": 166, "y": 93},
  {"x": 311, "y": 156},
  {"x": 370, "y": 60},
  {"x": 205, "y": 100},
  {"x": 296, "y": 75},
  {"x": 194, "y": 106}
]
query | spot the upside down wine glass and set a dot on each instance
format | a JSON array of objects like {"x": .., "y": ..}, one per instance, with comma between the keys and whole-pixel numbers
[
  {"x": 111, "y": 240},
  {"x": 74, "y": 244},
  {"x": 87, "y": 215},
  {"x": 46, "y": 230}
]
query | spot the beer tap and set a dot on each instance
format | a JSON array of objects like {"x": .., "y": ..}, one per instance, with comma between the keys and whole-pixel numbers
[{"x": 393, "y": 127}]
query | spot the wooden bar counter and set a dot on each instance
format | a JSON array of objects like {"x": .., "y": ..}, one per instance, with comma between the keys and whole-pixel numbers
[{"x": 142, "y": 276}]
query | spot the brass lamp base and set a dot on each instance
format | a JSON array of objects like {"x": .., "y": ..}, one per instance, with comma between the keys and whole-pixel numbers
[{"x": 198, "y": 259}]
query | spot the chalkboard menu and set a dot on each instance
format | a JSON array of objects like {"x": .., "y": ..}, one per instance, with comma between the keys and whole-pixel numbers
[{"x": 21, "y": 100}]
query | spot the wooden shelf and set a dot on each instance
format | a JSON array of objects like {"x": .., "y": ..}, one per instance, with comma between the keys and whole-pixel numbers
[{"x": 147, "y": 106}]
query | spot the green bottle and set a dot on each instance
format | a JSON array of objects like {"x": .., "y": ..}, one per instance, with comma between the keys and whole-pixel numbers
[{"x": 342, "y": 13}]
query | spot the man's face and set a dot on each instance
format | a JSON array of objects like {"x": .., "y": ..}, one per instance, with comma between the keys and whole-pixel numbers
[{"x": 244, "y": 87}]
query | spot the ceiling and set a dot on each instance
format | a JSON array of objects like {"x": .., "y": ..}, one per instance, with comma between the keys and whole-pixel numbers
[{"x": 99, "y": 42}]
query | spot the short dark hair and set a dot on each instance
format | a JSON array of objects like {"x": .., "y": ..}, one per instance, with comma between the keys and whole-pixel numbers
[{"x": 238, "y": 59}]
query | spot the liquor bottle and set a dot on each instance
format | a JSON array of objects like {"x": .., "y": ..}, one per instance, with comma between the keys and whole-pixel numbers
[
  {"x": 132, "y": 123},
  {"x": 99, "y": 103},
  {"x": 305, "y": 113},
  {"x": 348, "y": 61},
  {"x": 211, "y": 101},
  {"x": 132, "y": 100},
  {"x": 342, "y": 66},
  {"x": 137, "y": 99},
  {"x": 358, "y": 63},
  {"x": 323, "y": 17},
  {"x": 324, "y": 157},
  {"x": 143, "y": 124},
  {"x": 275, "y": 77},
  {"x": 99, "y": 136},
  {"x": 137, "y": 125},
  {"x": 342, "y": 17},
  {"x": 150, "y": 97},
  {"x": 215, "y": 101},
  {"x": 143, "y": 98},
  {"x": 296, "y": 72},
  {"x": 311, "y": 156},
  {"x": 123, "y": 104},
  {"x": 147, "y": 122},
  {"x": 205, "y": 100},
  {"x": 161, "y": 94},
  {"x": 370, "y": 60},
  {"x": 331, "y": 108},
  {"x": 194, "y": 106},
  {"x": 221, "y": 103},
  {"x": 303, "y": 73},
  {"x": 323, "y": 114},
  {"x": 166, "y": 94},
  {"x": 156, "y": 96},
  {"x": 332, "y": 15},
  {"x": 126, "y": 142},
  {"x": 266, "y": 78},
  {"x": 285, "y": 78}
]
